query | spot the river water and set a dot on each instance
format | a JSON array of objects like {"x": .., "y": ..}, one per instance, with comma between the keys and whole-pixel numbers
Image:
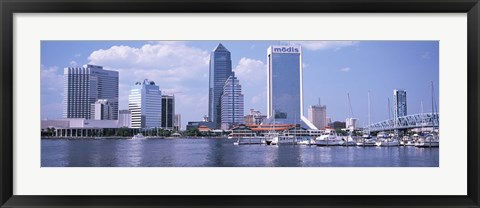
[{"x": 223, "y": 153}]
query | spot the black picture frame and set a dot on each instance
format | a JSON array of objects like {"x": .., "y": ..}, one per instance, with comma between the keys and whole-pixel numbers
[{"x": 9, "y": 7}]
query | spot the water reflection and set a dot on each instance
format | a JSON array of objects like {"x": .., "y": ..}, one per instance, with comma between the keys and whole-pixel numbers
[{"x": 222, "y": 153}]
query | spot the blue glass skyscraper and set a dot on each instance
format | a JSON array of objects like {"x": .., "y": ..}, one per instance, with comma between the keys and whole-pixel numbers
[
  {"x": 220, "y": 70},
  {"x": 284, "y": 86},
  {"x": 399, "y": 103}
]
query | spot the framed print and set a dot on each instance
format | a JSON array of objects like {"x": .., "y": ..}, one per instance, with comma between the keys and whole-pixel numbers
[{"x": 261, "y": 104}]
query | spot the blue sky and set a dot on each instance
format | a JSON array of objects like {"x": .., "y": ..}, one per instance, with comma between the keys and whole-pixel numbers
[{"x": 331, "y": 70}]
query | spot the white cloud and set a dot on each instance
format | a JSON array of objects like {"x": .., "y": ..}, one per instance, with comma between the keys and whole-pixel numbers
[
  {"x": 305, "y": 65},
  {"x": 252, "y": 74},
  {"x": 345, "y": 69},
  {"x": 51, "y": 80},
  {"x": 51, "y": 88},
  {"x": 175, "y": 67},
  {"x": 323, "y": 45},
  {"x": 250, "y": 70},
  {"x": 73, "y": 63}
]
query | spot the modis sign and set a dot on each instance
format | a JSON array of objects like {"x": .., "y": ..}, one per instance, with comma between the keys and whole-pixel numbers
[{"x": 285, "y": 49}]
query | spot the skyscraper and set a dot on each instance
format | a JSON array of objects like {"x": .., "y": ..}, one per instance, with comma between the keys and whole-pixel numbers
[
  {"x": 285, "y": 90},
  {"x": 85, "y": 85},
  {"x": 232, "y": 103},
  {"x": 220, "y": 70},
  {"x": 399, "y": 103},
  {"x": 145, "y": 105},
  {"x": 168, "y": 111},
  {"x": 317, "y": 114}
]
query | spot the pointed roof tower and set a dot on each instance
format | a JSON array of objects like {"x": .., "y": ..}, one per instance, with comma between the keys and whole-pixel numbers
[{"x": 220, "y": 48}]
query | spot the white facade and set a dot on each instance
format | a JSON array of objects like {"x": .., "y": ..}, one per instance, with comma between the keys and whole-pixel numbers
[
  {"x": 178, "y": 122},
  {"x": 351, "y": 123},
  {"x": 101, "y": 110},
  {"x": 232, "y": 102},
  {"x": 124, "y": 118},
  {"x": 85, "y": 85},
  {"x": 79, "y": 123},
  {"x": 145, "y": 105}
]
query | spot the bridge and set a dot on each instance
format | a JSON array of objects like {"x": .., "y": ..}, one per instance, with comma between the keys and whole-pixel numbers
[{"x": 407, "y": 122}]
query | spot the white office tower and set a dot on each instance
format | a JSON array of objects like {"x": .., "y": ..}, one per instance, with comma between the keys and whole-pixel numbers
[
  {"x": 145, "y": 105},
  {"x": 83, "y": 86},
  {"x": 232, "y": 103}
]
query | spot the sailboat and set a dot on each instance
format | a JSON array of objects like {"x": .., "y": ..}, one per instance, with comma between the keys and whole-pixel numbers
[
  {"x": 271, "y": 137},
  {"x": 367, "y": 140},
  {"x": 387, "y": 140},
  {"x": 430, "y": 140}
]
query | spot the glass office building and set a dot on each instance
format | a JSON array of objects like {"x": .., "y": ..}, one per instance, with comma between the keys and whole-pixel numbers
[
  {"x": 399, "y": 103},
  {"x": 220, "y": 70},
  {"x": 145, "y": 105},
  {"x": 83, "y": 86},
  {"x": 168, "y": 111},
  {"x": 284, "y": 86}
]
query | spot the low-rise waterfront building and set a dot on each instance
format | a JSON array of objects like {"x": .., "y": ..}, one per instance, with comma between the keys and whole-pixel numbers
[{"x": 124, "y": 118}]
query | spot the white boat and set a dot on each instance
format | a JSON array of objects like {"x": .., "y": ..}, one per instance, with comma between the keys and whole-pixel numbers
[
  {"x": 271, "y": 138},
  {"x": 285, "y": 140},
  {"x": 249, "y": 140},
  {"x": 138, "y": 136},
  {"x": 429, "y": 141},
  {"x": 246, "y": 138},
  {"x": 349, "y": 141},
  {"x": 384, "y": 140},
  {"x": 329, "y": 138},
  {"x": 366, "y": 141},
  {"x": 305, "y": 141}
]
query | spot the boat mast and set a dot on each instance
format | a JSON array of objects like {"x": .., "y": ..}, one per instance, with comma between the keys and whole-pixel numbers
[{"x": 369, "y": 113}]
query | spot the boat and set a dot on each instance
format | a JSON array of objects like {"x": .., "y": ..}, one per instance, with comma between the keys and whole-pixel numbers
[
  {"x": 329, "y": 138},
  {"x": 384, "y": 140},
  {"x": 249, "y": 140},
  {"x": 246, "y": 138},
  {"x": 428, "y": 141},
  {"x": 305, "y": 141},
  {"x": 271, "y": 138},
  {"x": 138, "y": 136},
  {"x": 283, "y": 139},
  {"x": 366, "y": 141},
  {"x": 408, "y": 141},
  {"x": 349, "y": 141}
]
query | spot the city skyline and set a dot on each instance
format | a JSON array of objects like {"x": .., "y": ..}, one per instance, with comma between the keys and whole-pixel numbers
[{"x": 331, "y": 70}]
